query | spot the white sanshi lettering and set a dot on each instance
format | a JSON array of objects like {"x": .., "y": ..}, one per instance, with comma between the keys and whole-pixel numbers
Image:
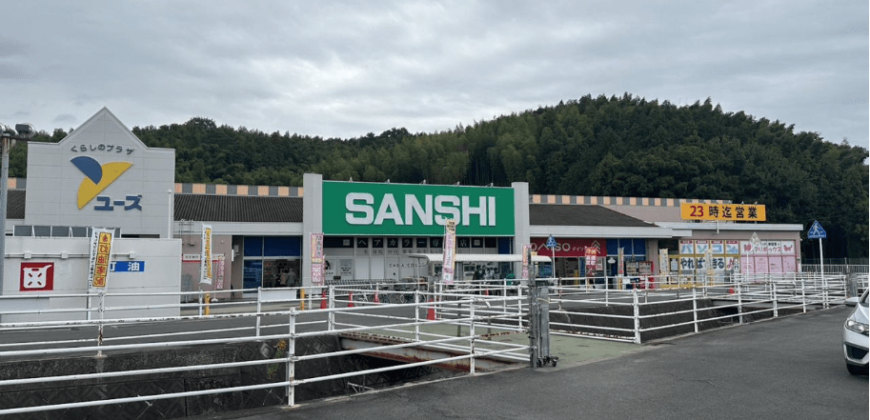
[
  {"x": 353, "y": 208},
  {"x": 412, "y": 206},
  {"x": 361, "y": 211},
  {"x": 389, "y": 210},
  {"x": 440, "y": 207},
  {"x": 480, "y": 211}
]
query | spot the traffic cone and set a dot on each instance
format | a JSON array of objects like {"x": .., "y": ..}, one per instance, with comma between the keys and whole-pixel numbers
[
  {"x": 350, "y": 300},
  {"x": 430, "y": 314},
  {"x": 377, "y": 299},
  {"x": 486, "y": 292},
  {"x": 323, "y": 304}
]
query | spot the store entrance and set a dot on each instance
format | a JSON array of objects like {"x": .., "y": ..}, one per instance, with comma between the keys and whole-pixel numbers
[
  {"x": 567, "y": 267},
  {"x": 271, "y": 273}
]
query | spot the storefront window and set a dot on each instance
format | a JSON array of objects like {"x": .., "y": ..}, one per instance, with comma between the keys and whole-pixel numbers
[
  {"x": 253, "y": 273},
  {"x": 272, "y": 261}
]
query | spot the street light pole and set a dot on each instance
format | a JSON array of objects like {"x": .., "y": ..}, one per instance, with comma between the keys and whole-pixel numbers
[
  {"x": 5, "y": 143},
  {"x": 8, "y": 135}
]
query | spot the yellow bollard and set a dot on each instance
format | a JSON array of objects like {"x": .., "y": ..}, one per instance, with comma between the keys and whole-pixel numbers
[
  {"x": 302, "y": 298},
  {"x": 207, "y": 300}
]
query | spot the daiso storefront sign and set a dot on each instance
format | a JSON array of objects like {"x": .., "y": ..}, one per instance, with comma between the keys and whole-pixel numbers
[
  {"x": 569, "y": 247},
  {"x": 356, "y": 208}
]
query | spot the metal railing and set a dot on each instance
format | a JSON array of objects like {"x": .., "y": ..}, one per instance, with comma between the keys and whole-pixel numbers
[
  {"x": 649, "y": 307},
  {"x": 272, "y": 316}
]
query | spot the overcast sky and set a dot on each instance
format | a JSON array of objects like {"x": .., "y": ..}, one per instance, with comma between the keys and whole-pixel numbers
[{"x": 343, "y": 69}]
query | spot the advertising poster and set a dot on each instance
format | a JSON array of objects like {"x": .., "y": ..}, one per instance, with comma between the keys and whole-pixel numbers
[
  {"x": 620, "y": 269},
  {"x": 101, "y": 250},
  {"x": 732, "y": 247},
  {"x": 346, "y": 267},
  {"x": 701, "y": 247},
  {"x": 318, "y": 264},
  {"x": 317, "y": 274},
  {"x": 206, "y": 270},
  {"x": 687, "y": 247},
  {"x": 663, "y": 261},
  {"x": 316, "y": 248},
  {"x": 591, "y": 257},
  {"x": 708, "y": 256},
  {"x": 687, "y": 265}
]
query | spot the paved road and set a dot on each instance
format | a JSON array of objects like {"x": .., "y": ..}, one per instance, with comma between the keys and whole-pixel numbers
[{"x": 789, "y": 368}]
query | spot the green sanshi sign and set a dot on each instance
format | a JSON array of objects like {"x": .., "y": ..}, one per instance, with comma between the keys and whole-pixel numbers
[{"x": 357, "y": 208}]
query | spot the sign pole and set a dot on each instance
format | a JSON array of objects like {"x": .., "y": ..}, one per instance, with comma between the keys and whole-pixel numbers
[{"x": 822, "y": 259}]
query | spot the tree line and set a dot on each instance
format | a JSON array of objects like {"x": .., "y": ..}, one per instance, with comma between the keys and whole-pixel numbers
[{"x": 597, "y": 146}]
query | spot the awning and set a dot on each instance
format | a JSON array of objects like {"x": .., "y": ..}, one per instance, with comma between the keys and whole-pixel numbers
[{"x": 481, "y": 257}]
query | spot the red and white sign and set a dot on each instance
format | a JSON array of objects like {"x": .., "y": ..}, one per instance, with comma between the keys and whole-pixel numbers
[
  {"x": 37, "y": 277},
  {"x": 591, "y": 256}
]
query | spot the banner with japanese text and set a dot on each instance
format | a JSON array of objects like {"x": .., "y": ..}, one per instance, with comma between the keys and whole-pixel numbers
[
  {"x": 101, "y": 252},
  {"x": 206, "y": 271},
  {"x": 663, "y": 261},
  {"x": 449, "y": 259},
  {"x": 723, "y": 212},
  {"x": 318, "y": 269}
]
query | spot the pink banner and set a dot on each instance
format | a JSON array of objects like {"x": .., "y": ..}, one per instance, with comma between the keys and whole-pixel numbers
[{"x": 448, "y": 261}]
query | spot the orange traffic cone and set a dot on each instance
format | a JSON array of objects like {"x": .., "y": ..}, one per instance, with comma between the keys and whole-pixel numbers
[
  {"x": 486, "y": 292},
  {"x": 377, "y": 299},
  {"x": 350, "y": 300},
  {"x": 323, "y": 304},
  {"x": 430, "y": 314}
]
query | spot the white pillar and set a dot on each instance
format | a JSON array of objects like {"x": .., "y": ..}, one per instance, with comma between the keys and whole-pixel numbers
[
  {"x": 312, "y": 221},
  {"x": 522, "y": 230}
]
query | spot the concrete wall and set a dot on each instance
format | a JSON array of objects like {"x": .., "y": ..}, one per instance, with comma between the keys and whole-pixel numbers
[
  {"x": 70, "y": 256},
  {"x": 222, "y": 254}
]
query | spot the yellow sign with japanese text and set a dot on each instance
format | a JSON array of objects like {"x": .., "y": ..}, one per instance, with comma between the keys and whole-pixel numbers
[
  {"x": 723, "y": 212},
  {"x": 101, "y": 251}
]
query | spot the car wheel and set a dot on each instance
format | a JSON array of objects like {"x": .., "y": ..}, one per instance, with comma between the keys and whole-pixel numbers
[{"x": 856, "y": 370}]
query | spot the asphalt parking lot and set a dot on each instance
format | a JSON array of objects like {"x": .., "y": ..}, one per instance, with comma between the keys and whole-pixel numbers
[{"x": 788, "y": 368}]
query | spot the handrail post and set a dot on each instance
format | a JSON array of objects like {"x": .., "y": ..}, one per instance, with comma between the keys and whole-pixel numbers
[
  {"x": 695, "y": 309},
  {"x": 100, "y": 326},
  {"x": 331, "y": 316},
  {"x": 520, "y": 305},
  {"x": 636, "y": 306},
  {"x": 471, "y": 333},
  {"x": 740, "y": 301},
  {"x": 416, "y": 315},
  {"x": 824, "y": 291},
  {"x": 200, "y": 303},
  {"x": 773, "y": 293},
  {"x": 291, "y": 357},
  {"x": 438, "y": 299},
  {"x": 504, "y": 294},
  {"x": 259, "y": 308},
  {"x": 804, "y": 293}
]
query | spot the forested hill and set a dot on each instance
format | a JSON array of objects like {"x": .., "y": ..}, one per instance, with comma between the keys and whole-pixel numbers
[{"x": 600, "y": 146}]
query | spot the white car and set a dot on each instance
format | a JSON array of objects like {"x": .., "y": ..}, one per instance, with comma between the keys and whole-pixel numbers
[{"x": 855, "y": 338}]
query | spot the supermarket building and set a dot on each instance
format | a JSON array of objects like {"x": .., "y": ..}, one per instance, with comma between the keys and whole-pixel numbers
[{"x": 102, "y": 175}]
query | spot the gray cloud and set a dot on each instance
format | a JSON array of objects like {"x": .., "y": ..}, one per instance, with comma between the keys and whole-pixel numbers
[{"x": 342, "y": 69}]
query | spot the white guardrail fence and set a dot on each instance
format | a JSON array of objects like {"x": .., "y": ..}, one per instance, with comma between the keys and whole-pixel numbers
[{"x": 419, "y": 315}]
